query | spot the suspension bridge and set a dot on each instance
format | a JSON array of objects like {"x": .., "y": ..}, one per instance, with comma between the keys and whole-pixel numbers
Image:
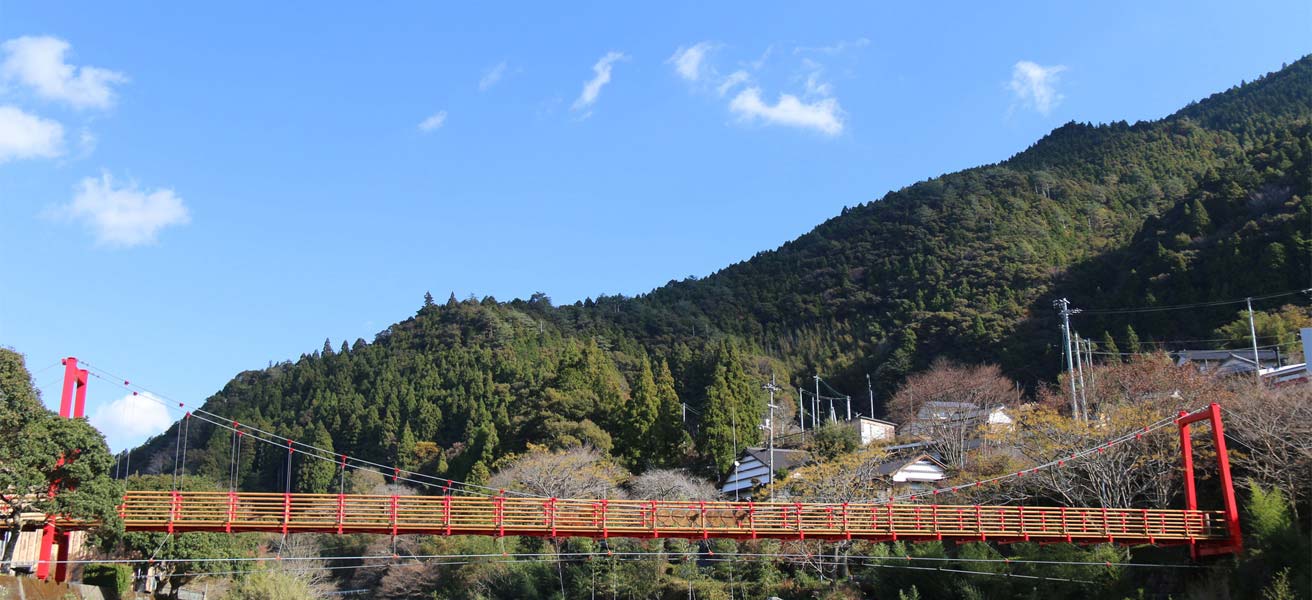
[{"x": 497, "y": 513}]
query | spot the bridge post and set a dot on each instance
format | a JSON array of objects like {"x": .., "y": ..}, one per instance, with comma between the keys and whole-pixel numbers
[
  {"x": 1212, "y": 414},
  {"x": 72, "y": 405}
]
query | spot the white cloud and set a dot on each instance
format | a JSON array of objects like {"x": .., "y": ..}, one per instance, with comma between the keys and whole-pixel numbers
[
  {"x": 128, "y": 421},
  {"x": 436, "y": 121},
  {"x": 123, "y": 216},
  {"x": 38, "y": 62},
  {"x": 592, "y": 87},
  {"x": 734, "y": 80},
  {"x": 1035, "y": 86},
  {"x": 823, "y": 115},
  {"x": 688, "y": 61},
  {"x": 492, "y": 76},
  {"x": 24, "y": 135}
]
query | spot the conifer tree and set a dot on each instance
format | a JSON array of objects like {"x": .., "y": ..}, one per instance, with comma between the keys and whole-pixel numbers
[
  {"x": 1132, "y": 341},
  {"x": 1199, "y": 221},
  {"x": 1108, "y": 345},
  {"x": 313, "y": 475},
  {"x": 428, "y": 299},
  {"x": 639, "y": 413},
  {"x": 669, "y": 435},
  {"x": 732, "y": 411},
  {"x": 405, "y": 449},
  {"x": 716, "y": 436}
]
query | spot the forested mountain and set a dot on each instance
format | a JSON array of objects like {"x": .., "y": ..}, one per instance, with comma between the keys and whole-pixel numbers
[{"x": 1211, "y": 202}]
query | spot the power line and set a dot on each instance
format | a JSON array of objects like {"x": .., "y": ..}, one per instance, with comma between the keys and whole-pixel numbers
[
  {"x": 395, "y": 557},
  {"x": 1057, "y": 462},
  {"x": 314, "y": 451},
  {"x": 1192, "y": 305},
  {"x": 1178, "y": 350}
]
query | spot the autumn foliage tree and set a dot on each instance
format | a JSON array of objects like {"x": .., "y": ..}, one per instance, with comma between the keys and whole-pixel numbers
[
  {"x": 947, "y": 381},
  {"x": 580, "y": 472}
]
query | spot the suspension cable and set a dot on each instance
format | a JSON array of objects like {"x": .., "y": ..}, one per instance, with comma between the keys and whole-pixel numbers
[{"x": 309, "y": 449}]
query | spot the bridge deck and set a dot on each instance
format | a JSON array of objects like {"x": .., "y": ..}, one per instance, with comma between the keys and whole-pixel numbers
[{"x": 496, "y": 516}]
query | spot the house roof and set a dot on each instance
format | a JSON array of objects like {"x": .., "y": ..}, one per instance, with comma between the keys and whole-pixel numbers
[
  {"x": 893, "y": 466},
  {"x": 1184, "y": 357},
  {"x": 956, "y": 411},
  {"x": 784, "y": 458},
  {"x": 880, "y": 421},
  {"x": 1285, "y": 371},
  {"x": 949, "y": 405}
]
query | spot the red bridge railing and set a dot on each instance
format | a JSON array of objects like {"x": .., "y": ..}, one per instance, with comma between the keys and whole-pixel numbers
[{"x": 177, "y": 512}]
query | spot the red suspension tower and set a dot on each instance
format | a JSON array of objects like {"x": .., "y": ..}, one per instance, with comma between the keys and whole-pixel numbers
[
  {"x": 1211, "y": 414},
  {"x": 72, "y": 405}
]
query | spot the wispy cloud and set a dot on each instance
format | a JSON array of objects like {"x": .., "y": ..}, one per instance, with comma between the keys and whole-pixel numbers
[
  {"x": 131, "y": 419},
  {"x": 835, "y": 48},
  {"x": 123, "y": 215},
  {"x": 433, "y": 122},
  {"x": 1035, "y": 86},
  {"x": 601, "y": 77},
  {"x": 734, "y": 80},
  {"x": 492, "y": 76},
  {"x": 823, "y": 115},
  {"x": 815, "y": 85},
  {"x": 688, "y": 61},
  {"x": 86, "y": 142},
  {"x": 24, "y": 135},
  {"x": 38, "y": 63}
]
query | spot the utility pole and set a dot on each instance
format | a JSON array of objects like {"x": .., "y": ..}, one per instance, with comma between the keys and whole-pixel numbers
[
  {"x": 733, "y": 414},
  {"x": 1066, "y": 311},
  {"x": 816, "y": 377},
  {"x": 772, "y": 388},
  {"x": 1079, "y": 362},
  {"x": 849, "y": 408},
  {"x": 801, "y": 412},
  {"x": 871, "y": 389},
  {"x": 1093, "y": 377},
  {"x": 815, "y": 410},
  {"x": 1252, "y": 331}
]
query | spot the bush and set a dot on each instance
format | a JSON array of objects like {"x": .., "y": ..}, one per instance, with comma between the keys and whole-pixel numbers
[
  {"x": 270, "y": 585},
  {"x": 113, "y": 578},
  {"x": 834, "y": 439}
]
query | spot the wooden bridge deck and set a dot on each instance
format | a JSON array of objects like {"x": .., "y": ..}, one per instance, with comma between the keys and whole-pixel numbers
[{"x": 498, "y": 516}]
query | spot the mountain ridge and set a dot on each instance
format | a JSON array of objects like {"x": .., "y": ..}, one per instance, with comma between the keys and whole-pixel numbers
[{"x": 960, "y": 266}]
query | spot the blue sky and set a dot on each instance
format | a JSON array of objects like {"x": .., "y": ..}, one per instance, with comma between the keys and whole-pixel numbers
[{"x": 190, "y": 191}]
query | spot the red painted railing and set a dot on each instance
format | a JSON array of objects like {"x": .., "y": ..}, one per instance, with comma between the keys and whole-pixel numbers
[{"x": 562, "y": 517}]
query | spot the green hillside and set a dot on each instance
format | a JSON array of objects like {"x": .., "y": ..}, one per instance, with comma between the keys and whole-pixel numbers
[{"x": 1211, "y": 202}]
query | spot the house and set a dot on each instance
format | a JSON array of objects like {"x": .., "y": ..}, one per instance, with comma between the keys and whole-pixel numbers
[
  {"x": 933, "y": 416},
  {"x": 27, "y": 549},
  {"x": 1288, "y": 374},
  {"x": 874, "y": 429},
  {"x": 916, "y": 472},
  {"x": 752, "y": 469},
  {"x": 1226, "y": 362},
  {"x": 1295, "y": 373}
]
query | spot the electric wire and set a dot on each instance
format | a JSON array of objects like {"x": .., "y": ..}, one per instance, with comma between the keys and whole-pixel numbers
[
  {"x": 1192, "y": 305},
  {"x": 702, "y": 556},
  {"x": 316, "y": 452},
  {"x": 1057, "y": 462}
]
